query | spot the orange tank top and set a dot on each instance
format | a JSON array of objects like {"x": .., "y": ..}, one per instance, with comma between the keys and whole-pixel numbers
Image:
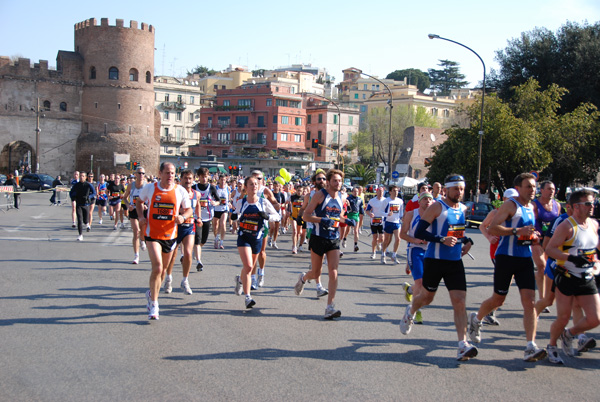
[{"x": 162, "y": 210}]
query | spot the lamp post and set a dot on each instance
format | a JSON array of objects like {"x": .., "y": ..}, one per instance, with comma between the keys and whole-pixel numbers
[
  {"x": 434, "y": 36},
  {"x": 390, "y": 104},
  {"x": 339, "y": 121},
  {"x": 38, "y": 113}
]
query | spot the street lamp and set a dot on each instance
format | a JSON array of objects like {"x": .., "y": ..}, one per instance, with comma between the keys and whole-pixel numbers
[
  {"x": 390, "y": 104},
  {"x": 434, "y": 36},
  {"x": 339, "y": 121},
  {"x": 38, "y": 113}
]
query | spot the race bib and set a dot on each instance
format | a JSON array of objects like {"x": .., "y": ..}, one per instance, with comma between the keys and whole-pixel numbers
[
  {"x": 223, "y": 201},
  {"x": 525, "y": 240},
  {"x": 249, "y": 226},
  {"x": 163, "y": 211},
  {"x": 588, "y": 254},
  {"x": 395, "y": 208},
  {"x": 376, "y": 221},
  {"x": 457, "y": 231},
  {"x": 203, "y": 203},
  {"x": 336, "y": 222}
]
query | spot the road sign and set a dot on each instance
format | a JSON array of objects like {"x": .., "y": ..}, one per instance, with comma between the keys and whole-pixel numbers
[
  {"x": 379, "y": 170},
  {"x": 395, "y": 174}
]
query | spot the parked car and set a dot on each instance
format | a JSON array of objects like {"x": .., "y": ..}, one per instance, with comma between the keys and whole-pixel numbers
[
  {"x": 36, "y": 181},
  {"x": 476, "y": 212},
  {"x": 2, "y": 179}
]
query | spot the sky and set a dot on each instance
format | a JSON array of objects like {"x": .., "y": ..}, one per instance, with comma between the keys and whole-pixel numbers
[{"x": 378, "y": 37}]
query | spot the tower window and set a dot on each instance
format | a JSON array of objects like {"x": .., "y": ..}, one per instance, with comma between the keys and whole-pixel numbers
[
  {"x": 148, "y": 77},
  {"x": 63, "y": 106},
  {"x": 92, "y": 73},
  {"x": 47, "y": 105},
  {"x": 133, "y": 75},
  {"x": 113, "y": 73}
]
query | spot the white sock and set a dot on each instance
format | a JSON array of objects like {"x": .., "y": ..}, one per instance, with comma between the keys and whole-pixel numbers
[
  {"x": 253, "y": 277},
  {"x": 169, "y": 278},
  {"x": 137, "y": 255},
  {"x": 261, "y": 272},
  {"x": 185, "y": 279},
  {"x": 319, "y": 286},
  {"x": 461, "y": 344}
]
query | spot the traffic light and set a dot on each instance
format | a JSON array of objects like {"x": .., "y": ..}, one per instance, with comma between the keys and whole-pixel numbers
[
  {"x": 315, "y": 143},
  {"x": 128, "y": 165},
  {"x": 135, "y": 165},
  {"x": 230, "y": 169}
]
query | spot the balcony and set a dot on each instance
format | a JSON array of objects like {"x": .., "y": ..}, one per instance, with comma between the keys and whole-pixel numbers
[
  {"x": 232, "y": 108},
  {"x": 252, "y": 141},
  {"x": 173, "y": 105},
  {"x": 171, "y": 140}
]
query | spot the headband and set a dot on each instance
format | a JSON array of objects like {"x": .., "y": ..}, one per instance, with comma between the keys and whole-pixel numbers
[{"x": 454, "y": 184}]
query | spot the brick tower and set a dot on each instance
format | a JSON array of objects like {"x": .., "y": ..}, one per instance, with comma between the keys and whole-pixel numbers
[{"x": 119, "y": 122}]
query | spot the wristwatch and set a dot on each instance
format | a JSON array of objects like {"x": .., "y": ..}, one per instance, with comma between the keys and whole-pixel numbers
[
  {"x": 514, "y": 231},
  {"x": 443, "y": 239}
]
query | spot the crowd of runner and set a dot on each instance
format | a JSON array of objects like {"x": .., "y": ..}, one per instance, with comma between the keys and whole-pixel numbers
[{"x": 168, "y": 214}]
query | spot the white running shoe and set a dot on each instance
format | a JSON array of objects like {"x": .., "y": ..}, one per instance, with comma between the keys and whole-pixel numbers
[
  {"x": 407, "y": 321},
  {"x": 153, "y": 313},
  {"x": 322, "y": 292},
  {"x": 270, "y": 242},
  {"x": 533, "y": 354},
  {"x": 567, "y": 343},
  {"x": 254, "y": 284},
  {"x": 221, "y": 244},
  {"x": 300, "y": 249},
  {"x": 261, "y": 281},
  {"x": 122, "y": 225},
  {"x": 585, "y": 343},
  {"x": 88, "y": 228},
  {"x": 250, "y": 302},
  {"x": 115, "y": 227},
  {"x": 331, "y": 312},
  {"x": 238, "y": 286},
  {"x": 383, "y": 260},
  {"x": 275, "y": 245},
  {"x": 216, "y": 244},
  {"x": 474, "y": 328},
  {"x": 373, "y": 256},
  {"x": 379, "y": 246},
  {"x": 344, "y": 243},
  {"x": 100, "y": 222},
  {"x": 185, "y": 285},
  {"x": 136, "y": 260},
  {"x": 80, "y": 238},
  {"x": 299, "y": 287},
  {"x": 144, "y": 246},
  {"x": 553, "y": 355},
  {"x": 395, "y": 259},
  {"x": 294, "y": 250},
  {"x": 466, "y": 352},
  {"x": 168, "y": 286}
]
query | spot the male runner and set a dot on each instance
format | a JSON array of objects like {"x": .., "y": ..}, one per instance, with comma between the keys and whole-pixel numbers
[
  {"x": 81, "y": 194},
  {"x": 355, "y": 210},
  {"x": 115, "y": 191},
  {"x": 393, "y": 213},
  {"x": 101, "y": 199},
  {"x": 443, "y": 260},
  {"x": 209, "y": 198},
  {"x": 131, "y": 195},
  {"x": 327, "y": 207},
  {"x": 220, "y": 212},
  {"x": 514, "y": 224},
  {"x": 168, "y": 206},
  {"x": 574, "y": 246},
  {"x": 376, "y": 210},
  {"x": 279, "y": 196},
  {"x": 74, "y": 181}
]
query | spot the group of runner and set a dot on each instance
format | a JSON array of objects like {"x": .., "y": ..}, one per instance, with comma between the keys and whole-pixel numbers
[{"x": 523, "y": 233}]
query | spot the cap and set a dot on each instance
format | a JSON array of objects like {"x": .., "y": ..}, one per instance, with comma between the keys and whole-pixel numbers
[
  {"x": 420, "y": 185},
  {"x": 425, "y": 194},
  {"x": 511, "y": 192}
]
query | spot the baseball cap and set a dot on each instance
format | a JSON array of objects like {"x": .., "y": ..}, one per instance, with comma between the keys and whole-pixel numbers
[{"x": 511, "y": 192}]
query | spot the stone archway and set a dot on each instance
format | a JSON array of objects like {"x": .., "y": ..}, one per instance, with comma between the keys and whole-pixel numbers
[{"x": 14, "y": 155}]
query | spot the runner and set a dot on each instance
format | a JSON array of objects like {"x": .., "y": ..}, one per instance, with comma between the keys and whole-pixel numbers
[
  {"x": 327, "y": 207},
  {"x": 443, "y": 260},
  {"x": 126, "y": 182},
  {"x": 376, "y": 210},
  {"x": 361, "y": 194},
  {"x": 131, "y": 195},
  {"x": 168, "y": 206},
  {"x": 220, "y": 212},
  {"x": 546, "y": 210},
  {"x": 90, "y": 180},
  {"x": 514, "y": 224},
  {"x": 115, "y": 191},
  {"x": 81, "y": 194},
  {"x": 186, "y": 233},
  {"x": 209, "y": 198},
  {"x": 254, "y": 212},
  {"x": 393, "y": 213},
  {"x": 237, "y": 194},
  {"x": 297, "y": 222},
  {"x": 101, "y": 199},
  {"x": 415, "y": 251},
  {"x": 73, "y": 181},
  {"x": 355, "y": 210},
  {"x": 274, "y": 225},
  {"x": 574, "y": 247}
]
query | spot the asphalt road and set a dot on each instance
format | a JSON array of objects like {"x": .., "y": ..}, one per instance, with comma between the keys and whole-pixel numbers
[{"x": 74, "y": 327}]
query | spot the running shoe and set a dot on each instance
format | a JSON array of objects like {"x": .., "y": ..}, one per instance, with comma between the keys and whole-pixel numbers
[
  {"x": 185, "y": 286},
  {"x": 533, "y": 353},
  {"x": 322, "y": 292},
  {"x": 373, "y": 256},
  {"x": 221, "y": 245},
  {"x": 144, "y": 246},
  {"x": 250, "y": 302},
  {"x": 88, "y": 228},
  {"x": 254, "y": 284},
  {"x": 238, "y": 286},
  {"x": 406, "y": 322},
  {"x": 73, "y": 225},
  {"x": 341, "y": 254},
  {"x": 344, "y": 243},
  {"x": 115, "y": 227},
  {"x": 331, "y": 312},
  {"x": 122, "y": 225},
  {"x": 275, "y": 245},
  {"x": 466, "y": 352},
  {"x": 491, "y": 319},
  {"x": 407, "y": 295},
  {"x": 80, "y": 238},
  {"x": 585, "y": 343},
  {"x": 300, "y": 249},
  {"x": 305, "y": 241},
  {"x": 395, "y": 259},
  {"x": 261, "y": 281},
  {"x": 270, "y": 242},
  {"x": 418, "y": 317},
  {"x": 294, "y": 250},
  {"x": 168, "y": 286},
  {"x": 136, "y": 260},
  {"x": 100, "y": 222},
  {"x": 199, "y": 266},
  {"x": 299, "y": 287},
  {"x": 216, "y": 244},
  {"x": 379, "y": 246},
  {"x": 356, "y": 248},
  {"x": 474, "y": 328},
  {"x": 153, "y": 312},
  {"x": 546, "y": 310},
  {"x": 567, "y": 343},
  {"x": 383, "y": 260},
  {"x": 553, "y": 355},
  {"x": 359, "y": 231}
]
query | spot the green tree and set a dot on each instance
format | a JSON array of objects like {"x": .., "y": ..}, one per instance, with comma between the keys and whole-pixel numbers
[
  {"x": 375, "y": 129},
  {"x": 367, "y": 173},
  {"x": 413, "y": 76},
  {"x": 569, "y": 57},
  {"x": 449, "y": 77},
  {"x": 202, "y": 71}
]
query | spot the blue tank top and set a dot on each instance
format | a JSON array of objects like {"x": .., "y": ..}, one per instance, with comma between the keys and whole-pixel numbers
[
  {"x": 517, "y": 246},
  {"x": 250, "y": 222},
  {"x": 451, "y": 222},
  {"x": 330, "y": 208},
  {"x": 411, "y": 230},
  {"x": 545, "y": 217}
]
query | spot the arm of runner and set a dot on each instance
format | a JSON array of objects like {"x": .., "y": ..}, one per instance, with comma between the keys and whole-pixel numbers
[
  {"x": 312, "y": 205},
  {"x": 272, "y": 212},
  {"x": 563, "y": 232},
  {"x": 304, "y": 205},
  {"x": 505, "y": 212},
  {"x": 483, "y": 227},
  {"x": 271, "y": 198}
]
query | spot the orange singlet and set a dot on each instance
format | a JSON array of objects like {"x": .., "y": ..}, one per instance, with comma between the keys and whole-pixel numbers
[{"x": 162, "y": 210}]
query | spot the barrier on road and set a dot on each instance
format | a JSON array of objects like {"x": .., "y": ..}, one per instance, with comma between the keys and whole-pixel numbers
[{"x": 7, "y": 200}]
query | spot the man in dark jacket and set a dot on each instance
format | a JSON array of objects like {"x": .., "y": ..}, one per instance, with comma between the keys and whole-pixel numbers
[
  {"x": 55, "y": 183},
  {"x": 81, "y": 193},
  {"x": 10, "y": 181}
]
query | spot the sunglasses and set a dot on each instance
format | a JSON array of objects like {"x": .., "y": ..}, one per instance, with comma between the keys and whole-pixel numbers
[
  {"x": 320, "y": 179},
  {"x": 587, "y": 203},
  {"x": 140, "y": 172}
]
